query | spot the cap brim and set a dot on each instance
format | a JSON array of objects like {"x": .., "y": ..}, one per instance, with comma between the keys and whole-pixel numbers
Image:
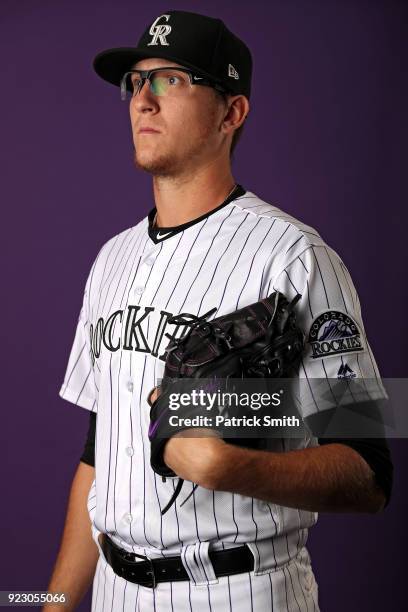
[{"x": 111, "y": 64}]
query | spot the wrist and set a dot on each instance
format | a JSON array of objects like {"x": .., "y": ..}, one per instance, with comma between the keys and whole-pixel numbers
[{"x": 227, "y": 468}]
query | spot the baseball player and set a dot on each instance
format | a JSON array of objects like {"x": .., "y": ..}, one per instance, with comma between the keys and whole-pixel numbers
[{"x": 239, "y": 541}]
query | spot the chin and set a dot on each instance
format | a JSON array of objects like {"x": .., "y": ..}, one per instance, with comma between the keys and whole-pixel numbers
[{"x": 157, "y": 165}]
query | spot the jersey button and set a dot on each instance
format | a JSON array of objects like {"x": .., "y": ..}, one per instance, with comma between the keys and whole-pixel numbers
[
  {"x": 139, "y": 290},
  {"x": 128, "y": 518},
  {"x": 130, "y": 386},
  {"x": 129, "y": 450},
  {"x": 149, "y": 262}
]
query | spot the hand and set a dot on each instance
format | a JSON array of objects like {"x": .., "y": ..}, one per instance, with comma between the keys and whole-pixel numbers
[
  {"x": 198, "y": 459},
  {"x": 195, "y": 454}
]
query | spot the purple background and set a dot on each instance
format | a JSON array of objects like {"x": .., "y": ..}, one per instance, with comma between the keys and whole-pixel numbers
[{"x": 324, "y": 141}]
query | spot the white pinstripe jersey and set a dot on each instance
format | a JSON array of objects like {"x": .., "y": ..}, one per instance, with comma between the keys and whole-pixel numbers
[{"x": 230, "y": 257}]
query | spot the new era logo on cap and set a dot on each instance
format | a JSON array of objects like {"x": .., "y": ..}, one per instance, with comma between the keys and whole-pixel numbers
[{"x": 232, "y": 72}]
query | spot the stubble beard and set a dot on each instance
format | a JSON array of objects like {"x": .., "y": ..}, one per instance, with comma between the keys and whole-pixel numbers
[
  {"x": 170, "y": 164},
  {"x": 156, "y": 165}
]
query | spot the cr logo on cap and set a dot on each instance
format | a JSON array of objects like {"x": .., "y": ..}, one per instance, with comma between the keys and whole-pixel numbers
[{"x": 159, "y": 32}]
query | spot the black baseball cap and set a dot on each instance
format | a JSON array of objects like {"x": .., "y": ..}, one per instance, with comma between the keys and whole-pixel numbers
[{"x": 194, "y": 41}]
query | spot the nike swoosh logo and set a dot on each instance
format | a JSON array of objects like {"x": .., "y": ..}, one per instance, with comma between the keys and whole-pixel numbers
[
  {"x": 198, "y": 78},
  {"x": 160, "y": 236}
]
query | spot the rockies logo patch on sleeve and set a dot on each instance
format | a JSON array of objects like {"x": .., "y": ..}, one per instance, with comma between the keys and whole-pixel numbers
[{"x": 334, "y": 333}]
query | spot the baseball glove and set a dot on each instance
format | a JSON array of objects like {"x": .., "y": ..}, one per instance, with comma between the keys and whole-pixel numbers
[{"x": 259, "y": 340}]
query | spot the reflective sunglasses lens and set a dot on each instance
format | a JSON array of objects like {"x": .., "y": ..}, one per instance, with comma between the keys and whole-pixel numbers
[{"x": 170, "y": 83}]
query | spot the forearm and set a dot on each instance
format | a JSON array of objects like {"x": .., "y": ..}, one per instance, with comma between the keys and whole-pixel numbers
[
  {"x": 330, "y": 478},
  {"x": 76, "y": 561}
]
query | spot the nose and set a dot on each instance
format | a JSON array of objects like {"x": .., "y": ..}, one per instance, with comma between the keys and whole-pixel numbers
[{"x": 145, "y": 99}]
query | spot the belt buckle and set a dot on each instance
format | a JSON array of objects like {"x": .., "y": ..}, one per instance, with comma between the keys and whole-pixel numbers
[{"x": 150, "y": 583}]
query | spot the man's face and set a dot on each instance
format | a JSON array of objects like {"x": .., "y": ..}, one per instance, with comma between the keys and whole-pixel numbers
[{"x": 189, "y": 127}]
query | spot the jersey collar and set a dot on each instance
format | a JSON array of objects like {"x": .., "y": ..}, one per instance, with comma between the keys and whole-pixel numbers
[{"x": 158, "y": 234}]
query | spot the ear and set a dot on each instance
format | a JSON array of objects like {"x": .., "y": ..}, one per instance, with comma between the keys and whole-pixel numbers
[{"x": 236, "y": 113}]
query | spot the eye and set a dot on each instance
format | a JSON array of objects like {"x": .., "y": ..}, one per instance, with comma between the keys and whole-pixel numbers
[{"x": 172, "y": 77}]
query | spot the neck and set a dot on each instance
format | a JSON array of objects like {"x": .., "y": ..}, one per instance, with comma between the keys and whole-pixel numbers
[{"x": 179, "y": 200}]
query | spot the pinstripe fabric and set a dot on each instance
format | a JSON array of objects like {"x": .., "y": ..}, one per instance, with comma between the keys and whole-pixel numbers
[{"x": 233, "y": 257}]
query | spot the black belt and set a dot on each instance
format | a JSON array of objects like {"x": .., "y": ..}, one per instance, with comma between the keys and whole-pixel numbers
[{"x": 168, "y": 569}]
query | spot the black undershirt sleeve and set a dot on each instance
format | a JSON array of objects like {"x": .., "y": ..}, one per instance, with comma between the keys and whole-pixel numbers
[
  {"x": 374, "y": 448},
  {"x": 88, "y": 455}
]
